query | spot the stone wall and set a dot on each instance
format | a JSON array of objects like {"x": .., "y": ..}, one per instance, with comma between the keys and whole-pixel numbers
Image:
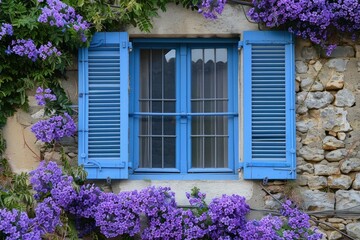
[{"x": 328, "y": 140}]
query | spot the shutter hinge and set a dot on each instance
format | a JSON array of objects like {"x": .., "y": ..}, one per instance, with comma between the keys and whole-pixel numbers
[
  {"x": 265, "y": 181},
  {"x": 240, "y": 45},
  {"x": 130, "y": 165},
  {"x": 95, "y": 163},
  {"x": 82, "y": 94},
  {"x": 130, "y": 46}
]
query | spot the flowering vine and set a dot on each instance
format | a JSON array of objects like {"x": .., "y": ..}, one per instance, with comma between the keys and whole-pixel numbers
[{"x": 322, "y": 22}]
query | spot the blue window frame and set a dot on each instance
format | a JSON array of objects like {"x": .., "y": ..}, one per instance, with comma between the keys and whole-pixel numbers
[
  {"x": 181, "y": 120},
  {"x": 184, "y": 108}
]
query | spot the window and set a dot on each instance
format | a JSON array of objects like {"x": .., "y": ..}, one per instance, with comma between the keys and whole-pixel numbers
[
  {"x": 184, "y": 112},
  {"x": 177, "y": 117}
]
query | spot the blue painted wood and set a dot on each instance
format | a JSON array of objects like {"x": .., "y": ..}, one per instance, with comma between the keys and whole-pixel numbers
[
  {"x": 103, "y": 106},
  {"x": 183, "y": 108},
  {"x": 269, "y": 118}
]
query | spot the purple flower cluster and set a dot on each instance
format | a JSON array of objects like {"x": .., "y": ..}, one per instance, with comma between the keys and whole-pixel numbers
[
  {"x": 293, "y": 225},
  {"x": 56, "y": 13},
  {"x": 47, "y": 216},
  {"x": 210, "y": 9},
  {"x": 297, "y": 225},
  {"x": 6, "y": 29},
  {"x": 227, "y": 214},
  {"x": 87, "y": 200},
  {"x": 22, "y": 47},
  {"x": 44, "y": 179},
  {"x": 54, "y": 128},
  {"x": 118, "y": 214},
  {"x": 316, "y": 20},
  {"x": 44, "y": 95},
  {"x": 15, "y": 225},
  {"x": 264, "y": 229}
]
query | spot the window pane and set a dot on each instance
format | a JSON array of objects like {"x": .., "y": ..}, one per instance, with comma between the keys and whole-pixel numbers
[
  {"x": 209, "y": 94},
  {"x": 157, "y": 95}
]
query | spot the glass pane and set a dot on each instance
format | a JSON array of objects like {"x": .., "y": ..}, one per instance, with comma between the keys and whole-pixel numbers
[
  {"x": 145, "y": 160},
  {"x": 169, "y": 125},
  {"x": 197, "y": 73},
  {"x": 169, "y": 152},
  {"x": 209, "y": 76},
  {"x": 209, "y": 125},
  {"x": 222, "y": 125},
  {"x": 221, "y": 152},
  {"x": 209, "y": 150},
  {"x": 144, "y": 125},
  {"x": 145, "y": 74},
  {"x": 157, "y": 95},
  {"x": 169, "y": 74},
  {"x": 197, "y": 151},
  {"x": 221, "y": 73},
  {"x": 157, "y": 74},
  {"x": 156, "y": 125},
  {"x": 156, "y": 152},
  {"x": 197, "y": 124}
]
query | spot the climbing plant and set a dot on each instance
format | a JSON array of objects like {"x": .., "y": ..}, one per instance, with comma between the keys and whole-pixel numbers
[{"x": 38, "y": 38}]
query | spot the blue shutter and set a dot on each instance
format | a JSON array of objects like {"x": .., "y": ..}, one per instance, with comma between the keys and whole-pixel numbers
[
  {"x": 103, "y": 106},
  {"x": 269, "y": 119}
]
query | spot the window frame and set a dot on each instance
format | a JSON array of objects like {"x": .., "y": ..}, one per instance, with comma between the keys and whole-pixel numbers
[{"x": 183, "y": 49}]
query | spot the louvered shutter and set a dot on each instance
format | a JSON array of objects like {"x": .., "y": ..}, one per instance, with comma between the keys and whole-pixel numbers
[
  {"x": 103, "y": 106},
  {"x": 269, "y": 119}
]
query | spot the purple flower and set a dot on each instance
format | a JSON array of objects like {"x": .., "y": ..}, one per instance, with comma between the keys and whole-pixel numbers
[
  {"x": 6, "y": 29},
  {"x": 47, "y": 216},
  {"x": 227, "y": 214},
  {"x": 44, "y": 95},
  {"x": 319, "y": 21},
  {"x": 58, "y": 14},
  {"x": 44, "y": 178},
  {"x": 22, "y": 47},
  {"x": 54, "y": 128},
  {"x": 210, "y": 9}
]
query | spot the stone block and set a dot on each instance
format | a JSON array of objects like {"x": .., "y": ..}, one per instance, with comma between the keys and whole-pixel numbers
[
  {"x": 334, "y": 119},
  {"x": 305, "y": 125},
  {"x": 317, "y": 182},
  {"x": 338, "y": 64},
  {"x": 318, "y": 66},
  {"x": 308, "y": 167},
  {"x": 341, "y": 136},
  {"x": 309, "y": 84},
  {"x": 332, "y": 143},
  {"x": 326, "y": 169},
  {"x": 341, "y": 52},
  {"x": 335, "y": 235},
  {"x": 301, "y": 67},
  {"x": 271, "y": 203},
  {"x": 356, "y": 183},
  {"x": 344, "y": 98},
  {"x": 347, "y": 199},
  {"x": 336, "y": 82},
  {"x": 353, "y": 230},
  {"x": 357, "y": 48},
  {"x": 350, "y": 165},
  {"x": 314, "y": 135},
  {"x": 336, "y": 155},
  {"x": 309, "y": 53},
  {"x": 315, "y": 200},
  {"x": 339, "y": 182},
  {"x": 316, "y": 100},
  {"x": 312, "y": 154}
]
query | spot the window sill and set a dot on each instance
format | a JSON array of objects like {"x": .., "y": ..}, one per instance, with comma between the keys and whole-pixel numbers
[{"x": 202, "y": 176}]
